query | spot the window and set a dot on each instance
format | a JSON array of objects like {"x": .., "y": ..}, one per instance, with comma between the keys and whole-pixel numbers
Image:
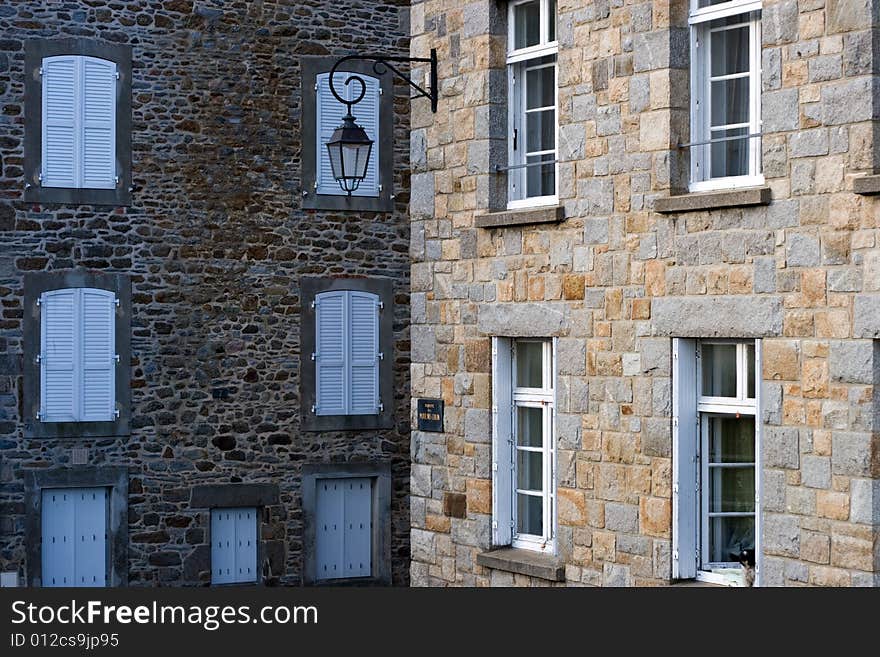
[
  {"x": 77, "y": 354},
  {"x": 74, "y": 536},
  {"x": 524, "y": 485},
  {"x": 715, "y": 441},
  {"x": 725, "y": 94},
  {"x": 233, "y": 545},
  {"x": 531, "y": 63},
  {"x": 77, "y": 124},
  {"x": 343, "y": 528},
  {"x": 322, "y": 114},
  {"x": 347, "y": 377}
]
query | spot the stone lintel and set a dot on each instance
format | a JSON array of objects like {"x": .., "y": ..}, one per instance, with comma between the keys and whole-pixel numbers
[
  {"x": 867, "y": 184},
  {"x": 207, "y": 496},
  {"x": 726, "y": 198},
  {"x": 524, "y": 562},
  {"x": 738, "y": 316},
  {"x": 546, "y": 215},
  {"x": 523, "y": 320}
]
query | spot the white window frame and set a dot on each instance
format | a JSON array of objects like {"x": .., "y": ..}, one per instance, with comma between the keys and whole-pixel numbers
[
  {"x": 517, "y": 61},
  {"x": 725, "y": 573},
  {"x": 700, "y": 106}
]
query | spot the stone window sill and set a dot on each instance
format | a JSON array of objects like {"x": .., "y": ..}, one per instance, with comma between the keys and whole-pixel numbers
[
  {"x": 867, "y": 185},
  {"x": 545, "y": 215},
  {"x": 524, "y": 562},
  {"x": 727, "y": 198}
]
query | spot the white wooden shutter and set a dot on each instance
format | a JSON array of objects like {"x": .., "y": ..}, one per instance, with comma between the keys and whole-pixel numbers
[
  {"x": 223, "y": 546},
  {"x": 59, "y": 355},
  {"x": 329, "y": 113},
  {"x": 98, "y": 355},
  {"x": 60, "y": 121},
  {"x": 331, "y": 340},
  {"x": 246, "y": 545},
  {"x": 329, "y": 523},
  {"x": 357, "y": 523},
  {"x": 364, "y": 353},
  {"x": 685, "y": 503},
  {"x": 98, "y": 123},
  {"x": 502, "y": 442},
  {"x": 74, "y": 537}
]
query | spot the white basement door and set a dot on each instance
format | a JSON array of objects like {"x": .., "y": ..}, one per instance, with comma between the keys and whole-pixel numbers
[
  {"x": 343, "y": 533},
  {"x": 233, "y": 545},
  {"x": 74, "y": 531}
]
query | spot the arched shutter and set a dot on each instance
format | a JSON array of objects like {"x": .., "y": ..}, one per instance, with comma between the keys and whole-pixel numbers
[
  {"x": 98, "y": 355},
  {"x": 59, "y": 355},
  {"x": 364, "y": 353},
  {"x": 331, "y": 338},
  {"x": 329, "y": 113},
  {"x": 60, "y": 121},
  {"x": 98, "y": 124}
]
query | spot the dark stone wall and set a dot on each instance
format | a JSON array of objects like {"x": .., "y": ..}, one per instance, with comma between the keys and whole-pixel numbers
[{"x": 215, "y": 242}]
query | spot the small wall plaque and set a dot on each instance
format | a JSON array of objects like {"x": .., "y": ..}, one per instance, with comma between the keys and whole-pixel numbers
[{"x": 430, "y": 412}]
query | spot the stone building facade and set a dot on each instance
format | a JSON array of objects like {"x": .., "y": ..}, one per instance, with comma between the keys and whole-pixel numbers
[
  {"x": 626, "y": 270},
  {"x": 208, "y": 242}
]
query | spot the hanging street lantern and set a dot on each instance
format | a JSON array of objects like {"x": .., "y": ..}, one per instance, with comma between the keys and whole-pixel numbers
[{"x": 350, "y": 147}]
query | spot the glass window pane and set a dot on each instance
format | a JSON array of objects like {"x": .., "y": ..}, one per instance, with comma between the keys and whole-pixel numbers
[
  {"x": 731, "y": 489},
  {"x": 529, "y": 364},
  {"x": 708, "y": 3},
  {"x": 541, "y": 180},
  {"x": 551, "y": 20},
  {"x": 540, "y": 130},
  {"x": 730, "y": 101},
  {"x": 529, "y": 515},
  {"x": 527, "y": 24},
  {"x": 529, "y": 470},
  {"x": 541, "y": 86},
  {"x": 729, "y": 536},
  {"x": 719, "y": 370},
  {"x": 750, "y": 355},
  {"x": 732, "y": 439},
  {"x": 730, "y": 50},
  {"x": 529, "y": 426},
  {"x": 730, "y": 158}
]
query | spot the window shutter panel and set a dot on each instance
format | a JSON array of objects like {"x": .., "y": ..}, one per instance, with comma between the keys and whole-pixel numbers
[
  {"x": 60, "y": 120},
  {"x": 330, "y": 519},
  {"x": 98, "y": 124},
  {"x": 356, "y": 527},
  {"x": 98, "y": 355},
  {"x": 331, "y": 338},
  {"x": 59, "y": 357},
  {"x": 58, "y": 545},
  {"x": 684, "y": 459},
  {"x": 90, "y": 510},
  {"x": 329, "y": 116},
  {"x": 222, "y": 546},
  {"x": 246, "y": 545},
  {"x": 502, "y": 445},
  {"x": 364, "y": 354}
]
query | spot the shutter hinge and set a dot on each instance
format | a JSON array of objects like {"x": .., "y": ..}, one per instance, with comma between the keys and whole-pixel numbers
[
  {"x": 380, "y": 188},
  {"x": 116, "y": 180},
  {"x": 116, "y": 357},
  {"x": 116, "y": 413},
  {"x": 675, "y": 421},
  {"x": 116, "y": 301},
  {"x": 40, "y": 71},
  {"x": 40, "y": 178},
  {"x": 315, "y": 185},
  {"x": 381, "y": 355},
  {"x": 118, "y": 76},
  {"x": 314, "y": 408},
  {"x": 313, "y": 305},
  {"x": 675, "y": 488},
  {"x": 39, "y": 302},
  {"x": 495, "y": 467},
  {"x": 381, "y": 305},
  {"x": 38, "y": 415},
  {"x": 675, "y": 555},
  {"x": 314, "y": 356},
  {"x": 381, "y": 407},
  {"x": 316, "y": 86},
  {"x": 380, "y": 91},
  {"x": 494, "y": 524},
  {"x": 38, "y": 359}
]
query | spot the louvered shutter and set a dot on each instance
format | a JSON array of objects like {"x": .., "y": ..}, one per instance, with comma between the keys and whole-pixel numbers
[
  {"x": 329, "y": 116},
  {"x": 98, "y": 123},
  {"x": 98, "y": 355},
  {"x": 684, "y": 459},
  {"x": 502, "y": 442},
  {"x": 364, "y": 354},
  {"x": 331, "y": 338},
  {"x": 60, "y": 121},
  {"x": 59, "y": 355}
]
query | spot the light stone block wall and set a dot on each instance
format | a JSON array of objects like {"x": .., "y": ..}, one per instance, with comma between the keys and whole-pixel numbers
[{"x": 616, "y": 280}]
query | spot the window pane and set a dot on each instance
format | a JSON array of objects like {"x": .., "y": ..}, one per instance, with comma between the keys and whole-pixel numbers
[
  {"x": 551, "y": 20},
  {"x": 731, "y": 157},
  {"x": 731, "y": 489},
  {"x": 529, "y": 515},
  {"x": 529, "y": 364},
  {"x": 729, "y": 536},
  {"x": 730, "y": 101},
  {"x": 750, "y": 354},
  {"x": 730, "y": 50},
  {"x": 719, "y": 370},
  {"x": 529, "y": 426},
  {"x": 708, "y": 3},
  {"x": 732, "y": 439},
  {"x": 541, "y": 86},
  {"x": 541, "y": 180},
  {"x": 529, "y": 472},
  {"x": 540, "y": 130},
  {"x": 527, "y": 24}
]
